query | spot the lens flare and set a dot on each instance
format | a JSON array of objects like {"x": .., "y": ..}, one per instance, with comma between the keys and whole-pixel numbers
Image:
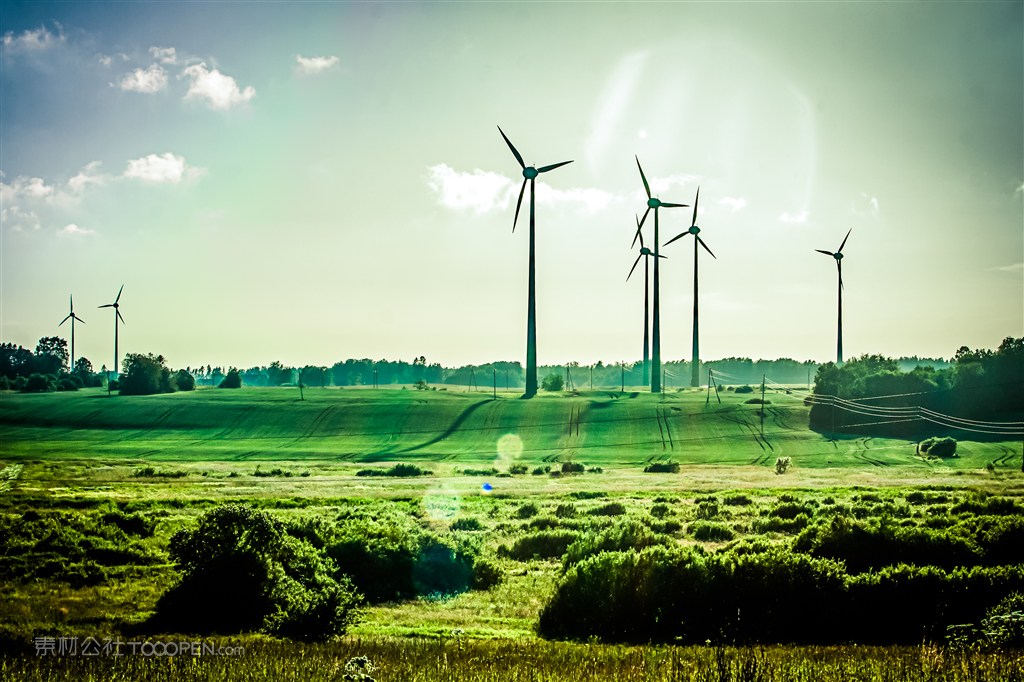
[
  {"x": 442, "y": 504},
  {"x": 510, "y": 449}
]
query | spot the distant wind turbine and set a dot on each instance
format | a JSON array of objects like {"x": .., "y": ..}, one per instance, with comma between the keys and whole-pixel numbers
[
  {"x": 838, "y": 255},
  {"x": 530, "y": 174},
  {"x": 695, "y": 231},
  {"x": 71, "y": 316},
  {"x": 645, "y": 253},
  {"x": 117, "y": 316},
  {"x": 655, "y": 203}
]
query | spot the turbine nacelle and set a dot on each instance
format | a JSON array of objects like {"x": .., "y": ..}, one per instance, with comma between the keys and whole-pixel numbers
[
  {"x": 653, "y": 202},
  {"x": 694, "y": 229},
  {"x": 837, "y": 256},
  {"x": 530, "y": 173}
]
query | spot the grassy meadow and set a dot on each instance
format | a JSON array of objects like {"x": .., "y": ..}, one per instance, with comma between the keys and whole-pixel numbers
[{"x": 95, "y": 460}]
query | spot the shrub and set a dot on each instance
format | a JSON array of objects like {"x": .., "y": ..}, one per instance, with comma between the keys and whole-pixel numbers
[
  {"x": 572, "y": 468},
  {"x": 467, "y": 523},
  {"x": 527, "y": 510},
  {"x": 617, "y": 538},
  {"x": 744, "y": 389},
  {"x": 241, "y": 571},
  {"x": 737, "y": 500},
  {"x": 40, "y": 383},
  {"x": 553, "y": 382},
  {"x": 566, "y": 511},
  {"x": 540, "y": 471},
  {"x": 711, "y": 532},
  {"x": 938, "y": 447},
  {"x": 69, "y": 382},
  {"x": 397, "y": 471},
  {"x": 708, "y": 509},
  {"x": 517, "y": 469},
  {"x": 782, "y": 465},
  {"x": 547, "y": 544},
  {"x": 659, "y": 511},
  {"x": 231, "y": 380},
  {"x": 610, "y": 509},
  {"x": 662, "y": 468}
]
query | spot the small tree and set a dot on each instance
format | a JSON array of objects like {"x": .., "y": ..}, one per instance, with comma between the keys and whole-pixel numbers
[
  {"x": 553, "y": 382},
  {"x": 782, "y": 465},
  {"x": 145, "y": 375},
  {"x": 184, "y": 381},
  {"x": 232, "y": 380}
]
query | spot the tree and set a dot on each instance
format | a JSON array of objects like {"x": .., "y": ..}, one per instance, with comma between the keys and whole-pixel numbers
[
  {"x": 15, "y": 361},
  {"x": 184, "y": 381},
  {"x": 553, "y": 382},
  {"x": 278, "y": 374},
  {"x": 232, "y": 380},
  {"x": 51, "y": 355},
  {"x": 145, "y": 375}
]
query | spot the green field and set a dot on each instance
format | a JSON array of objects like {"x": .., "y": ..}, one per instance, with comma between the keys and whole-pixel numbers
[
  {"x": 599, "y": 428},
  {"x": 174, "y": 457}
]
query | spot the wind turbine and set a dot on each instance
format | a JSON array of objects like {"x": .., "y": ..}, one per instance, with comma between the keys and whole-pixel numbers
[
  {"x": 530, "y": 174},
  {"x": 695, "y": 231},
  {"x": 71, "y": 316},
  {"x": 655, "y": 203},
  {"x": 646, "y": 254},
  {"x": 838, "y": 255},
  {"x": 117, "y": 315}
]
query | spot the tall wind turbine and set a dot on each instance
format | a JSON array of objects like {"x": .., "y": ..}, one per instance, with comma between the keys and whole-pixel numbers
[
  {"x": 838, "y": 255},
  {"x": 695, "y": 231},
  {"x": 117, "y": 316},
  {"x": 71, "y": 316},
  {"x": 645, "y": 253},
  {"x": 653, "y": 202},
  {"x": 530, "y": 174}
]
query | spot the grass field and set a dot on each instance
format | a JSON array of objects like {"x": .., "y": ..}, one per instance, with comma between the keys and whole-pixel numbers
[
  {"x": 174, "y": 457},
  {"x": 600, "y": 428}
]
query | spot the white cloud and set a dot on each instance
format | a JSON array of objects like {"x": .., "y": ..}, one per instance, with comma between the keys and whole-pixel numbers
[
  {"x": 680, "y": 180},
  {"x": 105, "y": 60},
  {"x": 164, "y": 55},
  {"x": 1019, "y": 190},
  {"x": 25, "y": 188},
  {"x": 148, "y": 80},
  {"x": 18, "y": 220},
  {"x": 314, "y": 65},
  {"x": 480, "y": 190},
  {"x": 161, "y": 168},
  {"x": 32, "y": 41},
  {"x": 798, "y": 217},
  {"x": 733, "y": 203},
  {"x": 216, "y": 89},
  {"x": 86, "y": 177},
  {"x": 73, "y": 229}
]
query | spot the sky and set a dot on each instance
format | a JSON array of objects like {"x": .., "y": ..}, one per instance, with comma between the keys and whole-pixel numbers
[{"x": 309, "y": 182}]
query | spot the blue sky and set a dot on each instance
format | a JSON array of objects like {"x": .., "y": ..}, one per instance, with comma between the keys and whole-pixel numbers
[{"x": 307, "y": 182}]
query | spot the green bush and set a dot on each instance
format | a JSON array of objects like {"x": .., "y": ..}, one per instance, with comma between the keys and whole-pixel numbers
[
  {"x": 566, "y": 511},
  {"x": 467, "y": 523},
  {"x": 548, "y": 544},
  {"x": 619, "y": 537},
  {"x": 397, "y": 471},
  {"x": 737, "y": 500},
  {"x": 527, "y": 510},
  {"x": 184, "y": 381},
  {"x": 232, "y": 380},
  {"x": 938, "y": 447},
  {"x": 610, "y": 509},
  {"x": 711, "y": 532},
  {"x": 40, "y": 383},
  {"x": 242, "y": 571},
  {"x": 553, "y": 382},
  {"x": 662, "y": 468}
]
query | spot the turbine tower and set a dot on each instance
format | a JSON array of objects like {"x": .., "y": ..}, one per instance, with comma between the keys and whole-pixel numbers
[
  {"x": 653, "y": 202},
  {"x": 695, "y": 231},
  {"x": 117, "y": 316},
  {"x": 646, "y": 254},
  {"x": 838, "y": 255},
  {"x": 71, "y": 316},
  {"x": 530, "y": 174}
]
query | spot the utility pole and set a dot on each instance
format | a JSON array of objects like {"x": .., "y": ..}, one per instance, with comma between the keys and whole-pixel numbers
[
  {"x": 622, "y": 366},
  {"x": 301, "y": 397},
  {"x": 591, "y": 377},
  {"x": 762, "y": 406},
  {"x": 495, "y": 378},
  {"x": 375, "y": 378}
]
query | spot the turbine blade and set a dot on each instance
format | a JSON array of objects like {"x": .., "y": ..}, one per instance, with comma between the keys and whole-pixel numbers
[
  {"x": 668, "y": 205},
  {"x": 645, "y": 216},
  {"x": 635, "y": 263},
  {"x": 701, "y": 242},
  {"x": 515, "y": 152},
  {"x": 639, "y": 235},
  {"x": 694, "y": 221},
  {"x": 553, "y": 166},
  {"x": 122, "y": 319},
  {"x": 79, "y": 319},
  {"x": 119, "y": 294},
  {"x": 643, "y": 177},
  {"x": 844, "y": 241},
  {"x": 72, "y": 297},
  {"x": 519, "y": 204},
  {"x": 64, "y": 320},
  {"x": 660, "y": 256},
  {"x": 678, "y": 236},
  {"x": 109, "y": 305},
  {"x": 839, "y": 264},
  {"x": 827, "y": 253}
]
